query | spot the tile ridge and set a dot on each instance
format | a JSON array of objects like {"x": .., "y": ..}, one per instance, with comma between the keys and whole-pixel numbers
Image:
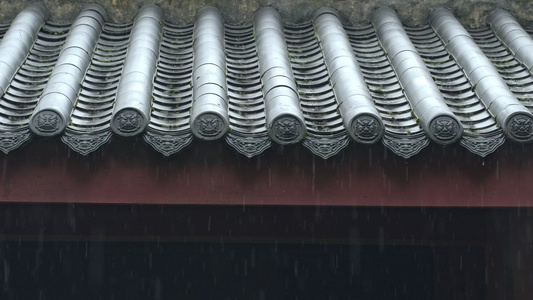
[
  {"x": 515, "y": 119},
  {"x": 131, "y": 113},
  {"x": 284, "y": 118},
  {"x": 57, "y": 101},
  {"x": 209, "y": 112},
  {"x": 360, "y": 116},
  {"x": 18, "y": 41},
  {"x": 440, "y": 124}
]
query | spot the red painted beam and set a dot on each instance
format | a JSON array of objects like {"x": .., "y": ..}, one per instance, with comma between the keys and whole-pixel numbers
[{"x": 129, "y": 171}]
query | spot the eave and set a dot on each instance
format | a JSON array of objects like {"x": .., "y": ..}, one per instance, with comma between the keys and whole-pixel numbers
[{"x": 323, "y": 83}]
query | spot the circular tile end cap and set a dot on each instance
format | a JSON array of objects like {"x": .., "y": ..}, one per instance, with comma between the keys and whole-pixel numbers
[
  {"x": 367, "y": 129},
  {"x": 519, "y": 128},
  {"x": 47, "y": 123},
  {"x": 287, "y": 129},
  {"x": 445, "y": 130},
  {"x": 209, "y": 126},
  {"x": 128, "y": 122}
]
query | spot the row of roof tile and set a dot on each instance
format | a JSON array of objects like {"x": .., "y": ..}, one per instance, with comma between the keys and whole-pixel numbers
[{"x": 322, "y": 84}]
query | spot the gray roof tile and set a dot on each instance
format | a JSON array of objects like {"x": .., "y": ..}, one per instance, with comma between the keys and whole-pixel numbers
[
  {"x": 209, "y": 113},
  {"x": 515, "y": 119},
  {"x": 354, "y": 102},
  {"x": 133, "y": 104},
  {"x": 321, "y": 83},
  {"x": 425, "y": 99},
  {"x": 59, "y": 96},
  {"x": 284, "y": 119}
]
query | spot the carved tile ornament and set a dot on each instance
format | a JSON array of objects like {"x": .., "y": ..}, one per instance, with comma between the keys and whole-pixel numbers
[
  {"x": 128, "y": 121},
  {"x": 47, "y": 122},
  {"x": 248, "y": 146},
  {"x": 287, "y": 129},
  {"x": 445, "y": 128},
  {"x": 12, "y": 140},
  {"x": 326, "y": 147},
  {"x": 209, "y": 125},
  {"x": 406, "y": 147},
  {"x": 521, "y": 127},
  {"x": 168, "y": 144},
  {"x": 366, "y": 128},
  {"x": 483, "y": 146},
  {"x": 85, "y": 143}
]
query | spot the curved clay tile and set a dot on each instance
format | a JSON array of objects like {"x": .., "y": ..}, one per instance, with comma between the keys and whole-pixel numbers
[
  {"x": 284, "y": 119},
  {"x": 515, "y": 120},
  {"x": 209, "y": 113},
  {"x": 326, "y": 134},
  {"x": 16, "y": 45},
  {"x": 482, "y": 134},
  {"x": 361, "y": 118},
  {"x": 517, "y": 40},
  {"x": 89, "y": 126},
  {"x": 428, "y": 105},
  {"x": 18, "y": 40},
  {"x": 248, "y": 134},
  {"x": 266, "y": 82},
  {"x": 58, "y": 99},
  {"x": 133, "y": 105},
  {"x": 169, "y": 129}
]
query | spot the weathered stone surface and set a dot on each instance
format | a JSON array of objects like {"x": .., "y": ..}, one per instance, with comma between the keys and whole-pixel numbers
[{"x": 471, "y": 13}]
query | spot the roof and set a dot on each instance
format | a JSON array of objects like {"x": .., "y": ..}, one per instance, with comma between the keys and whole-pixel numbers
[{"x": 322, "y": 84}]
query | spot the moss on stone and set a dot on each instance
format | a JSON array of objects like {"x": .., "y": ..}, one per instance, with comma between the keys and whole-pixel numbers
[{"x": 471, "y": 13}]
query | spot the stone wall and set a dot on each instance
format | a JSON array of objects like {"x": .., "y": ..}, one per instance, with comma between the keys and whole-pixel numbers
[{"x": 472, "y": 13}]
